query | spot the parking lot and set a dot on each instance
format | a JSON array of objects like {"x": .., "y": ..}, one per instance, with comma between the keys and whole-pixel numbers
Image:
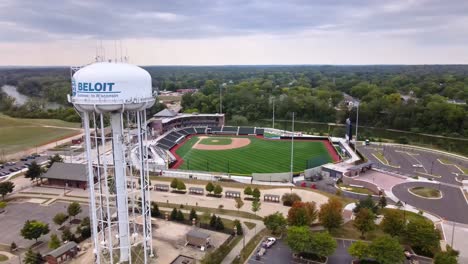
[
  {"x": 415, "y": 162},
  {"x": 11, "y": 167},
  {"x": 280, "y": 253},
  {"x": 18, "y": 212}
]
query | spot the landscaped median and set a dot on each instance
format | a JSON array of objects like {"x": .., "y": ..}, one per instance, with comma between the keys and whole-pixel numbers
[{"x": 426, "y": 192}]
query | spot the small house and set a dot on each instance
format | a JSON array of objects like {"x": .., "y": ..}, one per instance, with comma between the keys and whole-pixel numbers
[
  {"x": 197, "y": 238},
  {"x": 62, "y": 253}
]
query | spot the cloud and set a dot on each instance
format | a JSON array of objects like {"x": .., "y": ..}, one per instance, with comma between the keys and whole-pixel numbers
[{"x": 437, "y": 23}]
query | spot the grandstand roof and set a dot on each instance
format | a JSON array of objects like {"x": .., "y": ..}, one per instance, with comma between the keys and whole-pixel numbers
[{"x": 165, "y": 113}]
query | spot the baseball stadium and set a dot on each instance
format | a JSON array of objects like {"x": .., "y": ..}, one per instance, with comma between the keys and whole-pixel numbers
[{"x": 204, "y": 143}]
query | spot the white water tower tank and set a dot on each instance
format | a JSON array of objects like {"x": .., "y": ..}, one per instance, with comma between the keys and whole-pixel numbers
[{"x": 109, "y": 86}]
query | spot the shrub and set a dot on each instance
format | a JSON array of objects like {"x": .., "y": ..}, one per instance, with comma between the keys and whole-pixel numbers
[{"x": 289, "y": 198}]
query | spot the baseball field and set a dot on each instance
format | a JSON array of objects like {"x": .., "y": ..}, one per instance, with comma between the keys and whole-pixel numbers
[{"x": 246, "y": 155}]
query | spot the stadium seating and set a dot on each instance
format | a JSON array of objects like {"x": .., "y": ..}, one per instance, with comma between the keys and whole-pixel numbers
[
  {"x": 230, "y": 129},
  {"x": 215, "y": 130},
  {"x": 190, "y": 130},
  {"x": 171, "y": 137},
  {"x": 183, "y": 132},
  {"x": 259, "y": 131},
  {"x": 200, "y": 130},
  {"x": 246, "y": 131}
]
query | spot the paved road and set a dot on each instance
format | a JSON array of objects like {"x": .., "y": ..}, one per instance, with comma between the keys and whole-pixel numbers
[{"x": 452, "y": 206}]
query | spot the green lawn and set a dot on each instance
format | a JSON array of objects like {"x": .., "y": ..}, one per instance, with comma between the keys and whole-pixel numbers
[
  {"x": 261, "y": 156},
  {"x": 355, "y": 189},
  {"x": 18, "y": 134},
  {"x": 3, "y": 258},
  {"x": 426, "y": 192},
  {"x": 216, "y": 141}
]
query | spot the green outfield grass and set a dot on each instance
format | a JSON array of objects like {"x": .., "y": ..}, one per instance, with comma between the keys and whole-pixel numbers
[
  {"x": 261, "y": 156},
  {"x": 216, "y": 141},
  {"x": 17, "y": 134}
]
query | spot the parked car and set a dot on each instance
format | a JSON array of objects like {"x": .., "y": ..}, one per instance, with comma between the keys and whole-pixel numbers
[
  {"x": 260, "y": 253},
  {"x": 269, "y": 242},
  {"x": 24, "y": 158}
]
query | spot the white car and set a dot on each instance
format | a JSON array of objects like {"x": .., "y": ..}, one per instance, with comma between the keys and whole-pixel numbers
[
  {"x": 269, "y": 242},
  {"x": 417, "y": 165}
]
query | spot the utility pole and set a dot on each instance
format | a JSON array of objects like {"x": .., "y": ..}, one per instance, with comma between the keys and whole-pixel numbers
[
  {"x": 357, "y": 121},
  {"x": 273, "y": 112},
  {"x": 292, "y": 148}
]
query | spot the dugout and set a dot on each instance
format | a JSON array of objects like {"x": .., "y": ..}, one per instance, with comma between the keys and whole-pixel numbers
[
  {"x": 271, "y": 198},
  {"x": 196, "y": 190},
  {"x": 161, "y": 187},
  {"x": 232, "y": 194}
]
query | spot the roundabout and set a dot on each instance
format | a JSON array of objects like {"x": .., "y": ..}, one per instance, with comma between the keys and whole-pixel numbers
[{"x": 451, "y": 205}]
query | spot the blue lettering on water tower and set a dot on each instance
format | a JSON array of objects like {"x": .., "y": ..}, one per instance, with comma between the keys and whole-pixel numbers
[{"x": 98, "y": 87}]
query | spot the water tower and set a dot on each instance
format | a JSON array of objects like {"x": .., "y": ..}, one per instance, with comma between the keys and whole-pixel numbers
[{"x": 112, "y": 99}]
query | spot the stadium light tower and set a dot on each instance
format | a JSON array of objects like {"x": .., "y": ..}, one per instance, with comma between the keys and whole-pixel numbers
[
  {"x": 292, "y": 148},
  {"x": 120, "y": 213}
]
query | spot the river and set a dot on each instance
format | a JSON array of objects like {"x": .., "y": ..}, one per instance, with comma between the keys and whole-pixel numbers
[{"x": 21, "y": 99}]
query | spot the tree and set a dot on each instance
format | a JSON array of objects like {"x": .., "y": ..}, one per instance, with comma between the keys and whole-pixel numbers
[
  {"x": 34, "y": 171},
  {"x": 239, "y": 120},
  {"x": 181, "y": 186},
  {"x": 60, "y": 218},
  {"x": 299, "y": 238},
  {"x": 6, "y": 187},
  {"x": 53, "y": 159},
  {"x": 180, "y": 216},
  {"x": 2, "y": 205},
  {"x": 193, "y": 215},
  {"x": 359, "y": 250},
  {"x": 368, "y": 203},
  {"x": 155, "y": 210},
  {"x": 32, "y": 257},
  {"x": 276, "y": 223},
  {"x": 174, "y": 183},
  {"x": 67, "y": 235},
  {"x": 256, "y": 205},
  {"x": 209, "y": 187},
  {"x": 213, "y": 221},
  {"x": 84, "y": 230},
  {"x": 301, "y": 214},
  {"x": 449, "y": 256},
  {"x": 173, "y": 215},
  {"x": 330, "y": 214},
  {"x": 74, "y": 209},
  {"x": 218, "y": 189},
  {"x": 13, "y": 247},
  {"x": 256, "y": 193},
  {"x": 248, "y": 190},
  {"x": 386, "y": 250},
  {"x": 54, "y": 242},
  {"x": 393, "y": 223},
  {"x": 382, "y": 202},
  {"x": 34, "y": 229},
  {"x": 323, "y": 244},
  {"x": 239, "y": 203},
  {"x": 219, "y": 224},
  {"x": 289, "y": 198},
  {"x": 422, "y": 236},
  {"x": 239, "y": 228},
  {"x": 364, "y": 221}
]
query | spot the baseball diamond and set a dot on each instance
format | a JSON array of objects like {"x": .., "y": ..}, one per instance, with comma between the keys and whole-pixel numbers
[{"x": 249, "y": 154}]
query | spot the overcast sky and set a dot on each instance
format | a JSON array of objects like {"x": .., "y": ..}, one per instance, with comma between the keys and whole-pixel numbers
[{"x": 217, "y": 32}]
